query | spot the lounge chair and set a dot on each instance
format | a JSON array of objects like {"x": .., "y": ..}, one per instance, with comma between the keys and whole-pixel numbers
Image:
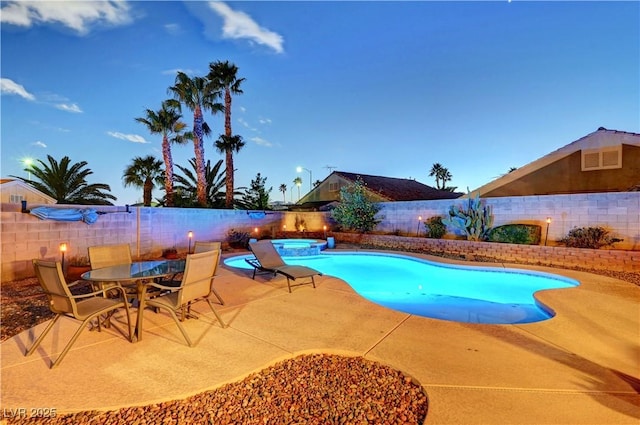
[
  {"x": 268, "y": 260},
  {"x": 196, "y": 285},
  {"x": 84, "y": 307}
]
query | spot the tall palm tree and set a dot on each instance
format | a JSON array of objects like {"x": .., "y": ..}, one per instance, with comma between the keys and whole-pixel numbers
[
  {"x": 186, "y": 185},
  {"x": 283, "y": 189},
  {"x": 67, "y": 182},
  {"x": 166, "y": 121},
  {"x": 224, "y": 76},
  {"x": 198, "y": 94},
  {"x": 227, "y": 145},
  {"x": 298, "y": 182},
  {"x": 145, "y": 173}
]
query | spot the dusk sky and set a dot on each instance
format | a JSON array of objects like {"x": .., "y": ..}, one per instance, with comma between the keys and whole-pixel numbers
[{"x": 382, "y": 88}]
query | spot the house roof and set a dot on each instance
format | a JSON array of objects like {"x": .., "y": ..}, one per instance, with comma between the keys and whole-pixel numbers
[
  {"x": 396, "y": 189},
  {"x": 600, "y": 138},
  {"x": 8, "y": 183}
]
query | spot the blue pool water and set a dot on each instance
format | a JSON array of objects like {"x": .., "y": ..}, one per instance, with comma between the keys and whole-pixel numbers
[{"x": 457, "y": 293}]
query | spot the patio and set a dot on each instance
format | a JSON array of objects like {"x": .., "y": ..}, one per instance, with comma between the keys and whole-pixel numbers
[{"x": 581, "y": 367}]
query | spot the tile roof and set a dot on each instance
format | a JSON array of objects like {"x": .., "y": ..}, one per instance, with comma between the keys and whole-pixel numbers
[{"x": 396, "y": 189}]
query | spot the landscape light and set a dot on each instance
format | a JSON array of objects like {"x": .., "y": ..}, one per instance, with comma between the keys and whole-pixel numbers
[
  {"x": 189, "y": 236},
  {"x": 547, "y": 235},
  {"x": 419, "y": 222},
  {"x": 63, "y": 249}
]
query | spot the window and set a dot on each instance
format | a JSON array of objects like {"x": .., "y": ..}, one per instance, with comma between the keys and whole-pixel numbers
[
  {"x": 602, "y": 159},
  {"x": 16, "y": 199},
  {"x": 334, "y": 187}
]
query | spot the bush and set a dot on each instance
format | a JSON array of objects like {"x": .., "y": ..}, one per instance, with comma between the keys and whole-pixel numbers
[
  {"x": 238, "y": 239},
  {"x": 527, "y": 234},
  {"x": 588, "y": 237},
  {"x": 435, "y": 228},
  {"x": 356, "y": 211}
]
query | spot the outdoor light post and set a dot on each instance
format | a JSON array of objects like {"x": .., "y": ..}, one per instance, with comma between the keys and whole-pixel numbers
[
  {"x": 419, "y": 223},
  {"x": 63, "y": 249},
  {"x": 189, "y": 236},
  {"x": 28, "y": 162},
  {"x": 547, "y": 235},
  {"x": 299, "y": 170}
]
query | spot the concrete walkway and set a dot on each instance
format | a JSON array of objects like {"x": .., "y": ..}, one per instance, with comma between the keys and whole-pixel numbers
[{"x": 581, "y": 367}]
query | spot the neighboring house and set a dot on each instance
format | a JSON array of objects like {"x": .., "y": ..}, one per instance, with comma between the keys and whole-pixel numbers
[
  {"x": 379, "y": 189},
  {"x": 603, "y": 161},
  {"x": 15, "y": 191}
]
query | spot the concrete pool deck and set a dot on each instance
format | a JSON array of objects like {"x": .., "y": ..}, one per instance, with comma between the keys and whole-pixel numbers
[{"x": 581, "y": 367}]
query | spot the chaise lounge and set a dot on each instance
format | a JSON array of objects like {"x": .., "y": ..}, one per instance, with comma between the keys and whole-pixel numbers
[{"x": 268, "y": 260}]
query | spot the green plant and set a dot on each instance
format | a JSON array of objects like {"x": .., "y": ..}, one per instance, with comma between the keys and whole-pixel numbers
[
  {"x": 475, "y": 221},
  {"x": 238, "y": 238},
  {"x": 434, "y": 227},
  {"x": 588, "y": 237},
  {"x": 528, "y": 234},
  {"x": 356, "y": 211}
]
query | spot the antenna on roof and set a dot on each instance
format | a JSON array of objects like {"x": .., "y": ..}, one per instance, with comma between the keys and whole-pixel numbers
[{"x": 330, "y": 168}]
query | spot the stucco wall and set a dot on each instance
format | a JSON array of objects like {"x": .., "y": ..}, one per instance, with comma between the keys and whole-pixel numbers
[{"x": 149, "y": 230}]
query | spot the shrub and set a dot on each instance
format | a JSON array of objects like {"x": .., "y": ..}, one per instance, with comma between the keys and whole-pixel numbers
[
  {"x": 238, "y": 239},
  {"x": 528, "y": 234},
  {"x": 588, "y": 237},
  {"x": 435, "y": 228},
  {"x": 356, "y": 211}
]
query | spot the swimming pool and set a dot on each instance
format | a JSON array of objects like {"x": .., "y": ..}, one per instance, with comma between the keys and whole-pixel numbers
[{"x": 457, "y": 293}]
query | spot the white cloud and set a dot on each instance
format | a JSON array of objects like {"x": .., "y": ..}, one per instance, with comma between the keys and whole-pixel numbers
[
  {"x": 72, "y": 107},
  {"x": 77, "y": 15},
  {"x": 238, "y": 25},
  {"x": 264, "y": 121},
  {"x": 260, "y": 141},
  {"x": 243, "y": 109},
  {"x": 11, "y": 87},
  {"x": 39, "y": 144},
  {"x": 176, "y": 70},
  {"x": 172, "y": 28},
  {"x": 134, "y": 138}
]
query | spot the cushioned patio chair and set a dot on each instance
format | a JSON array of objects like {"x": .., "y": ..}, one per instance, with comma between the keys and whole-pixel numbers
[
  {"x": 196, "y": 285},
  {"x": 84, "y": 307},
  {"x": 267, "y": 259}
]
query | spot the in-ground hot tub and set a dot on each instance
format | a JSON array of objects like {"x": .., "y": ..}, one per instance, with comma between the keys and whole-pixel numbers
[{"x": 299, "y": 247}]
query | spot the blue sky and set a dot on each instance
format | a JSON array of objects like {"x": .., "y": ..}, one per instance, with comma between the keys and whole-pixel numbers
[{"x": 383, "y": 88}]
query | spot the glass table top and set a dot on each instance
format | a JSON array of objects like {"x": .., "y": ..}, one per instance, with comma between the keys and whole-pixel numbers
[{"x": 137, "y": 270}]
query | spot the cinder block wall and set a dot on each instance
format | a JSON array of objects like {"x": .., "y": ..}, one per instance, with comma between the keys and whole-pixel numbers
[{"x": 150, "y": 230}]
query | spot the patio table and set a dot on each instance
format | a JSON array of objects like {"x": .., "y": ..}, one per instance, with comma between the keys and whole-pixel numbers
[{"x": 139, "y": 273}]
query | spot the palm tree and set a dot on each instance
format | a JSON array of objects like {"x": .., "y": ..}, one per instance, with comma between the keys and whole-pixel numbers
[
  {"x": 283, "y": 189},
  {"x": 298, "y": 182},
  {"x": 145, "y": 173},
  {"x": 186, "y": 186},
  {"x": 441, "y": 174},
  {"x": 166, "y": 122},
  {"x": 67, "y": 182},
  {"x": 198, "y": 95},
  {"x": 223, "y": 76},
  {"x": 227, "y": 145}
]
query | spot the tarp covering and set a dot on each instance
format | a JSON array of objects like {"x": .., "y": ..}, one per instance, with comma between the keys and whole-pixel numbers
[
  {"x": 87, "y": 215},
  {"x": 257, "y": 214}
]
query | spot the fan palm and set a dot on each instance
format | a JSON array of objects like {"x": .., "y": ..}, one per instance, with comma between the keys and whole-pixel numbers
[
  {"x": 145, "y": 173},
  {"x": 441, "y": 174},
  {"x": 67, "y": 182},
  {"x": 283, "y": 189},
  {"x": 198, "y": 94},
  {"x": 298, "y": 182},
  {"x": 227, "y": 145},
  {"x": 186, "y": 185},
  {"x": 224, "y": 76},
  {"x": 166, "y": 122}
]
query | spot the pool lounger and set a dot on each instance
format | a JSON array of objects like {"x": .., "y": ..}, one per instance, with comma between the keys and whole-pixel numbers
[{"x": 267, "y": 260}]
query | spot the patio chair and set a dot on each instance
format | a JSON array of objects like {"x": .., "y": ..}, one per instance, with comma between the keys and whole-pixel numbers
[
  {"x": 101, "y": 256},
  {"x": 196, "y": 285},
  {"x": 201, "y": 246},
  {"x": 268, "y": 260},
  {"x": 62, "y": 302}
]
